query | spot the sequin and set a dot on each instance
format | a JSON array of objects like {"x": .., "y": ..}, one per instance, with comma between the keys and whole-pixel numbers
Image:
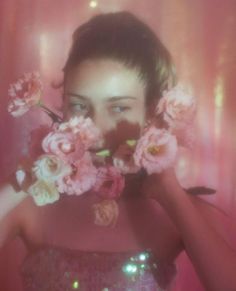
[
  {"x": 60, "y": 269},
  {"x": 130, "y": 269},
  {"x": 142, "y": 257}
]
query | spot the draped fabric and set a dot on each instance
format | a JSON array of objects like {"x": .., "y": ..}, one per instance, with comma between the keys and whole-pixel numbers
[{"x": 36, "y": 35}]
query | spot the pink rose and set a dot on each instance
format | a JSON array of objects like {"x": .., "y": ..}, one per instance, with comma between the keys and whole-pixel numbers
[
  {"x": 25, "y": 93},
  {"x": 177, "y": 107},
  {"x": 178, "y": 110},
  {"x": 156, "y": 150},
  {"x": 17, "y": 107},
  {"x": 82, "y": 179},
  {"x": 65, "y": 145},
  {"x": 109, "y": 183},
  {"x": 85, "y": 128},
  {"x": 106, "y": 213}
]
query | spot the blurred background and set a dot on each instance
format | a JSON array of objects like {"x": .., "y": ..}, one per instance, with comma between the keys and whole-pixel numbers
[{"x": 200, "y": 35}]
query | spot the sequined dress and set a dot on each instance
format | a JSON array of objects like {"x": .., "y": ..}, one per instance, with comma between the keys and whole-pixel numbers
[{"x": 58, "y": 269}]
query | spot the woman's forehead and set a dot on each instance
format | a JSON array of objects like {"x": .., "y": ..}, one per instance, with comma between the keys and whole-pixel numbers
[{"x": 104, "y": 78}]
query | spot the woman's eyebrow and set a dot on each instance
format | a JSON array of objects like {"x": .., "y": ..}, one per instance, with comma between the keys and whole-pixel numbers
[
  {"x": 110, "y": 99},
  {"x": 77, "y": 95},
  {"x": 118, "y": 98}
]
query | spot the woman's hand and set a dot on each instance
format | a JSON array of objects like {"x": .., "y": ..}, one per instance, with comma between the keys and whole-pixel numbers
[{"x": 161, "y": 186}]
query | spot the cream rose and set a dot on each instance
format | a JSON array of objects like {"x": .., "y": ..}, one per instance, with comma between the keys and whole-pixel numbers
[
  {"x": 106, "y": 213},
  {"x": 43, "y": 192},
  {"x": 51, "y": 168}
]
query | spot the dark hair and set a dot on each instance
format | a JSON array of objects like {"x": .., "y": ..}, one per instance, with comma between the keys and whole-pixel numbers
[{"x": 122, "y": 36}]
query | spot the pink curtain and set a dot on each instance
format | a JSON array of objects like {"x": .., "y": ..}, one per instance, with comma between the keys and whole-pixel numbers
[{"x": 36, "y": 35}]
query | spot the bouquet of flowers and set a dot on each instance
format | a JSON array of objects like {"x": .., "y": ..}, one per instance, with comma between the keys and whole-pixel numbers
[{"x": 61, "y": 157}]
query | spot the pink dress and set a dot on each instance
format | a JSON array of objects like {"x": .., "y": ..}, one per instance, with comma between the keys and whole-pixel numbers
[{"x": 58, "y": 269}]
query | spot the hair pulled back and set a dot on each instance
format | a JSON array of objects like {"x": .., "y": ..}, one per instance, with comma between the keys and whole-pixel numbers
[{"x": 123, "y": 37}]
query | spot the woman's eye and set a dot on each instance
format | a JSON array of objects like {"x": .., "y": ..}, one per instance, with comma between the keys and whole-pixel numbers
[
  {"x": 78, "y": 107},
  {"x": 119, "y": 109}
]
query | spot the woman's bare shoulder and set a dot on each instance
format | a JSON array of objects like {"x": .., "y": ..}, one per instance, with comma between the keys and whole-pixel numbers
[{"x": 11, "y": 223}]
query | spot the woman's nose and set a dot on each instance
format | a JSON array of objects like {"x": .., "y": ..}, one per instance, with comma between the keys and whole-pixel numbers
[{"x": 102, "y": 121}]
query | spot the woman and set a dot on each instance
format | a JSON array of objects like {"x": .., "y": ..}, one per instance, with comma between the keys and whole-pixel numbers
[{"x": 115, "y": 74}]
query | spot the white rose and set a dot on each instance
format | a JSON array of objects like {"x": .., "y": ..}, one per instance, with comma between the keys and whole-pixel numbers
[
  {"x": 51, "y": 168},
  {"x": 43, "y": 192}
]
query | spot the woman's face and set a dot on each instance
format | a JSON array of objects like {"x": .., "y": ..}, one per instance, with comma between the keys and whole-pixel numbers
[{"x": 109, "y": 93}]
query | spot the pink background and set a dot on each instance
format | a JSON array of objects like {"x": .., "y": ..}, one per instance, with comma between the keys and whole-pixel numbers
[{"x": 200, "y": 34}]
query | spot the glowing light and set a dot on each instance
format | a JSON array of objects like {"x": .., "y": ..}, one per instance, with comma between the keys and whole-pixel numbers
[
  {"x": 219, "y": 99},
  {"x": 219, "y": 92},
  {"x": 44, "y": 45},
  {"x": 142, "y": 257},
  {"x": 75, "y": 285},
  {"x": 93, "y": 4},
  {"x": 130, "y": 268}
]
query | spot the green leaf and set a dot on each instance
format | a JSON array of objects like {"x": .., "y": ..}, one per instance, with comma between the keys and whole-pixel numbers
[
  {"x": 131, "y": 142},
  {"x": 103, "y": 153}
]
